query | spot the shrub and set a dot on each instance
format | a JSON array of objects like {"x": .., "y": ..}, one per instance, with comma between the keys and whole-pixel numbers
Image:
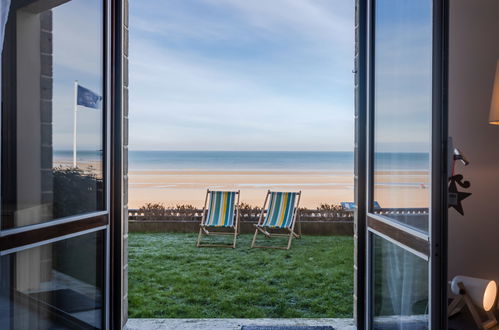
[
  {"x": 329, "y": 207},
  {"x": 75, "y": 192},
  {"x": 153, "y": 210},
  {"x": 244, "y": 207},
  {"x": 184, "y": 207}
]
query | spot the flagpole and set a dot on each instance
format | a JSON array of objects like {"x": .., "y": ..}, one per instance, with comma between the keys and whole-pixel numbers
[{"x": 75, "y": 104}]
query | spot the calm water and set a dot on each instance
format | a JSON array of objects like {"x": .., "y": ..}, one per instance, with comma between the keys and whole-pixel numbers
[
  {"x": 85, "y": 155},
  {"x": 256, "y": 160},
  {"x": 241, "y": 160},
  {"x": 268, "y": 160}
]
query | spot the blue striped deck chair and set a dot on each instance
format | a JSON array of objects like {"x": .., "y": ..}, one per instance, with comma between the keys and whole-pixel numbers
[
  {"x": 220, "y": 216},
  {"x": 280, "y": 216}
]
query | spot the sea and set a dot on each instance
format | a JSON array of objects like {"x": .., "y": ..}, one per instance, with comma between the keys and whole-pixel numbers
[
  {"x": 326, "y": 176},
  {"x": 338, "y": 161}
]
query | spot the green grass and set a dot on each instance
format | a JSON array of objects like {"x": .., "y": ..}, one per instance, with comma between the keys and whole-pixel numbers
[{"x": 170, "y": 278}]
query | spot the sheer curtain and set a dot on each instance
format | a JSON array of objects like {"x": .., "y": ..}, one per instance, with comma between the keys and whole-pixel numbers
[
  {"x": 405, "y": 287},
  {"x": 4, "y": 13}
]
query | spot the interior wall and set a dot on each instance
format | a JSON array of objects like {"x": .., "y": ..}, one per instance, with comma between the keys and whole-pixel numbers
[
  {"x": 474, "y": 50},
  {"x": 28, "y": 117}
]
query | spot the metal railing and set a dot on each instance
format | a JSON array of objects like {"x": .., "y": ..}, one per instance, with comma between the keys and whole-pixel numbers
[
  {"x": 253, "y": 214},
  {"x": 402, "y": 211},
  {"x": 246, "y": 215}
]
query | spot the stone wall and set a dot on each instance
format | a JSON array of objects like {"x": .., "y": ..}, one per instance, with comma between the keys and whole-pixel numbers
[{"x": 46, "y": 86}]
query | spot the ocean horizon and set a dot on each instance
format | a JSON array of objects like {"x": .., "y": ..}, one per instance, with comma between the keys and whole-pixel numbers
[
  {"x": 182, "y": 177},
  {"x": 337, "y": 161},
  {"x": 340, "y": 161},
  {"x": 241, "y": 160}
]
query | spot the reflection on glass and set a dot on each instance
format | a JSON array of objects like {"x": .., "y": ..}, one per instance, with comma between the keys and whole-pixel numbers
[
  {"x": 54, "y": 286},
  {"x": 403, "y": 105},
  {"x": 400, "y": 287},
  {"x": 57, "y": 101}
]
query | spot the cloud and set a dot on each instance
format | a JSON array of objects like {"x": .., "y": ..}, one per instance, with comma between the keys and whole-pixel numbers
[
  {"x": 403, "y": 97},
  {"x": 78, "y": 40},
  {"x": 226, "y": 19},
  {"x": 331, "y": 20},
  {"x": 77, "y": 45},
  {"x": 210, "y": 94}
]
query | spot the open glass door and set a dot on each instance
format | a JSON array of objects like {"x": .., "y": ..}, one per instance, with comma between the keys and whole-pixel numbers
[
  {"x": 406, "y": 179},
  {"x": 55, "y": 164}
]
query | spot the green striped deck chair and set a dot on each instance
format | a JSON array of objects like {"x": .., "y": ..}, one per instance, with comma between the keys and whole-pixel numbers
[
  {"x": 279, "y": 218},
  {"x": 220, "y": 216}
]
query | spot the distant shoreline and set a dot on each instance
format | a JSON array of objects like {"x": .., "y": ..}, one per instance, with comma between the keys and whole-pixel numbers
[
  {"x": 182, "y": 177},
  {"x": 189, "y": 187}
]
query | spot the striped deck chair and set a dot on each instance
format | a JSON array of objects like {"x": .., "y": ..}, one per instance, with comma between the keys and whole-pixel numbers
[
  {"x": 281, "y": 215},
  {"x": 222, "y": 214}
]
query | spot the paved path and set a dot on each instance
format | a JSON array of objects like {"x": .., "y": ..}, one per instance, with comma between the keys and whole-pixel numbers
[{"x": 231, "y": 324}]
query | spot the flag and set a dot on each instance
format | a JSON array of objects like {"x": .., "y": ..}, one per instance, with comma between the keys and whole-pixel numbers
[{"x": 87, "y": 98}]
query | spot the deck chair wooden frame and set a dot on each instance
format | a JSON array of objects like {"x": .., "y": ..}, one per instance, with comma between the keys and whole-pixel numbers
[
  {"x": 211, "y": 231},
  {"x": 269, "y": 231}
]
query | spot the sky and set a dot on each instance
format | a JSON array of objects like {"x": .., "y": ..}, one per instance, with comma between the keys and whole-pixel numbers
[
  {"x": 77, "y": 55},
  {"x": 403, "y": 76},
  {"x": 241, "y": 75}
]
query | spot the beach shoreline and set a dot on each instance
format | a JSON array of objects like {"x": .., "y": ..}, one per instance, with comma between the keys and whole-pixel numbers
[
  {"x": 181, "y": 178},
  {"x": 180, "y": 187}
]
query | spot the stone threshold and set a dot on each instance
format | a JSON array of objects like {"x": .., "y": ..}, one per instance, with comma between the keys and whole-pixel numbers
[{"x": 232, "y": 324}]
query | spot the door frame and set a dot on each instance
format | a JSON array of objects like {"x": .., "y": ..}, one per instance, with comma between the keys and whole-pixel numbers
[
  {"x": 360, "y": 166},
  {"x": 440, "y": 175},
  {"x": 118, "y": 259},
  {"x": 436, "y": 248}
]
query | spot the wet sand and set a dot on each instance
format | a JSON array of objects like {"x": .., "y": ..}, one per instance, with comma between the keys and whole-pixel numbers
[{"x": 189, "y": 187}]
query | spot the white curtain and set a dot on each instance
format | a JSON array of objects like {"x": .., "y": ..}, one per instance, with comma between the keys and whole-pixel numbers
[
  {"x": 4, "y": 13},
  {"x": 405, "y": 282}
]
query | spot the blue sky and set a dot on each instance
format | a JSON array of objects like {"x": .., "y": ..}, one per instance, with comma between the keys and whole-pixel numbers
[
  {"x": 241, "y": 75},
  {"x": 76, "y": 45},
  {"x": 403, "y": 79}
]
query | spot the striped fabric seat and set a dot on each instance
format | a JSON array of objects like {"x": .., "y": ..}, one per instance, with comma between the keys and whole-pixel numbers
[
  {"x": 280, "y": 211},
  {"x": 221, "y": 209}
]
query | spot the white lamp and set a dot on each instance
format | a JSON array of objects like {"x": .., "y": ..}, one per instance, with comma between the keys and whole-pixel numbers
[
  {"x": 494, "y": 106},
  {"x": 474, "y": 292}
]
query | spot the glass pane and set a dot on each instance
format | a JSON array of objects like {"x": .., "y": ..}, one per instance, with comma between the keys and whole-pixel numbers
[
  {"x": 54, "y": 286},
  {"x": 400, "y": 284},
  {"x": 402, "y": 110},
  {"x": 57, "y": 100}
]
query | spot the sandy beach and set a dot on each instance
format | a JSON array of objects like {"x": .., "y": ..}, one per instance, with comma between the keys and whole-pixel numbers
[
  {"x": 172, "y": 187},
  {"x": 88, "y": 167},
  {"x": 180, "y": 178}
]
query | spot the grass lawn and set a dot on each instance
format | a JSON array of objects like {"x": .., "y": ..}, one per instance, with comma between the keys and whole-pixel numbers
[{"x": 170, "y": 278}]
